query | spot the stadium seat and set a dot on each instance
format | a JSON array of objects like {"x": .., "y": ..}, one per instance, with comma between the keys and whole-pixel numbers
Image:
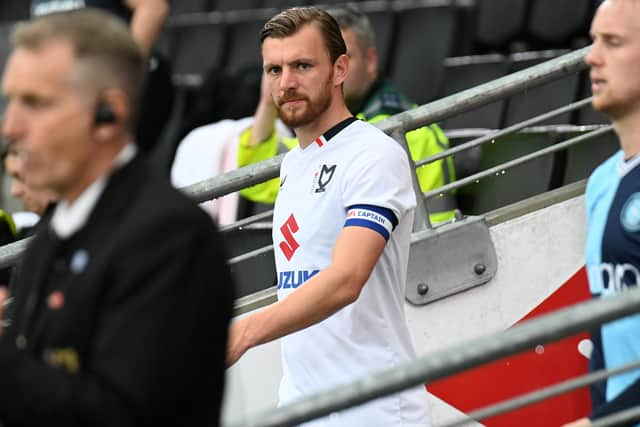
[
  {"x": 583, "y": 158},
  {"x": 466, "y": 72},
  {"x": 243, "y": 45},
  {"x": 226, "y": 5},
  {"x": 179, "y": 7},
  {"x": 423, "y": 39},
  {"x": 552, "y": 23},
  {"x": 258, "y": 272},
  {"x": 540, "y": 99},
  {"x": 382, "y": 23},
  {"x": 197, "y": 48},
  {"x": 283, "y": 4},
  {"x": 499, "y": 22},
  {"x": 513, "y": 185},
  {"x": 5, "y": 43},
  {"x": 463, "y": 43},
  {"x": 14, "y": 10}
]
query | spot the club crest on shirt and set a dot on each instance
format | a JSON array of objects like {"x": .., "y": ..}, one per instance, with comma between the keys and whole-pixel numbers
[
  {"x": 630, "y": 214},
  {"x": 322, "y": 178}
]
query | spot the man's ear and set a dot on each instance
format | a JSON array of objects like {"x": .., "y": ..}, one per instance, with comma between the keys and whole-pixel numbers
[
  {"x": 340, "y": 70},
  {"x": 112, "y": 114}
]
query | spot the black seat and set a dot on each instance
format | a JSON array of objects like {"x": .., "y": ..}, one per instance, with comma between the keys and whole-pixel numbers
[
  {"x": 466, "y": 72},
  {"x": 537, "y": 100},
  {"x": 553, "y": 23},
  {"x": 5, "y": 43},
  {"x": 223, "y": 5},
  {"x": 382, "y": 23},
  {"x": 195, "y": 49},
  {"x": 14, "y": 10},
  {"x": 179, "y": 7},
  {"x": 498, "y": 22},
  {"x": 583, "y": 158},
  {"x": 514, "y": 184},
  {"x": 283, "y": 4},
  {"x": 243, "y": 45},
  {"x": 423, "y": 40}
]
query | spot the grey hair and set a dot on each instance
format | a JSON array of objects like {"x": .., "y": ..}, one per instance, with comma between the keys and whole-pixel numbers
[{"x": 351, "y": 18}]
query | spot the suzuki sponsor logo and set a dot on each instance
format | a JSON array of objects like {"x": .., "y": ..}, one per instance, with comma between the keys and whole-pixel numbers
[
  {"x": 295, "y": 278},
  {"x": 290, "y": 244}
]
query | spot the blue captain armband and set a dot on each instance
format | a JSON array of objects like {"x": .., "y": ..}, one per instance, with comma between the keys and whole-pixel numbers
[{"x": 380, "y": 220}]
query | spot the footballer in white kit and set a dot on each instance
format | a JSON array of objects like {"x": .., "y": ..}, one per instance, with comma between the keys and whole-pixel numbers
[{"x": 353, "y": 175}]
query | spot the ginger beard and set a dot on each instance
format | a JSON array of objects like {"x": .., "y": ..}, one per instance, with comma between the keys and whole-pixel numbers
[{"x": 296, "y": 110}]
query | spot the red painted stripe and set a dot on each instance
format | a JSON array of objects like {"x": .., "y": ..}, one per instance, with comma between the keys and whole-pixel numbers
[
  {"x": 525, "y": 372},
  {"x": 319, "y": 141}
]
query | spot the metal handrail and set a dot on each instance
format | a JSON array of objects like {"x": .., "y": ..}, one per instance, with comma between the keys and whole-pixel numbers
[
  {"x": 619, "y": 418},
  {"x": 542, "y": 394},
  {"x": 406, "y": 121},
  {"x": 504, "y": 132},
  {"x": 487, "y": 134},
  {"x": 516, "y": 162},
  {"x": 496, "y": 170},
  {"x": 466, "y": 355}
]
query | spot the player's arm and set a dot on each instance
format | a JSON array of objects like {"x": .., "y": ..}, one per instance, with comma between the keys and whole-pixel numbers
[
  {"x": 355, "y": 254},
  {"x": 264, "y": 117},
  {"x": 147, "y": 20}
]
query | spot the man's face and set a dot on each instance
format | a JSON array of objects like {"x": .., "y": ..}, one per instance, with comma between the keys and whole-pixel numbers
[
  {"x": 615, "y": 58},
  {"x": 33, "y": 200},
  {"x": 300, "y": 76},
  {"x": 363, "y": 69},
  {"x": 48, "y": 120}
]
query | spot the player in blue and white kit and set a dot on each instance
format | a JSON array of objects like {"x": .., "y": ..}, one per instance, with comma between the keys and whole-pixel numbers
[
  {"x": 613, "y": 200},
  {"x": 341, "y": 231}
]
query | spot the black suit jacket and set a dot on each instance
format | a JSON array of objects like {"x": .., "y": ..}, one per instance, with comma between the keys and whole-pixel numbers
[{"x": 124, "y": 323}]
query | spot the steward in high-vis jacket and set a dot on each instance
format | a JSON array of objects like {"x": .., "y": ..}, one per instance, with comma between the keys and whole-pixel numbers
[{"x": 382, "y": 101}]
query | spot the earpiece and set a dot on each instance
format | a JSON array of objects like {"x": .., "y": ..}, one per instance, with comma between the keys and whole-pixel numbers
[{"x": 104, "y": 114}]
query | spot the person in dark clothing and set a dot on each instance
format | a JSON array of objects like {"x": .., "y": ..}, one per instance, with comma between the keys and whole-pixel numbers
[
  {"x": 145, "y": 19},
  {"x": 122, "y": 300}
]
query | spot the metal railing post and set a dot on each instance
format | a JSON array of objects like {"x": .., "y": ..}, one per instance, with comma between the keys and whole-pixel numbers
[{"x": 421, "y": 217}]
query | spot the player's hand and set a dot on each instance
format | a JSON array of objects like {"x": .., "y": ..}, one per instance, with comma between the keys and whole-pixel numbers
[
  {"x": 582, "y": 422},
  {"x": 266, "y": 98},
  {"x": 237, "y": 344}
]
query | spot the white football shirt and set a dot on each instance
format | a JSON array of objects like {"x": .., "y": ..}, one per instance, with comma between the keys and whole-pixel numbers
[{"x": 353, "y": 175}]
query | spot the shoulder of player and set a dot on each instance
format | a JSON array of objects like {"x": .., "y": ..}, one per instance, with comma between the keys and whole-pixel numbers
[
  {"x": 607, "y": 170},
  {"x": 368, "y": 138},
  {"x": 605, "y": 177}
]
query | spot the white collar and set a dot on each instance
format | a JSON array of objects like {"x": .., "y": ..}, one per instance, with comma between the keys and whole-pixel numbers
[
  {"x": 70, "y": 217},
  {"x": 626, "y": 166}
]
